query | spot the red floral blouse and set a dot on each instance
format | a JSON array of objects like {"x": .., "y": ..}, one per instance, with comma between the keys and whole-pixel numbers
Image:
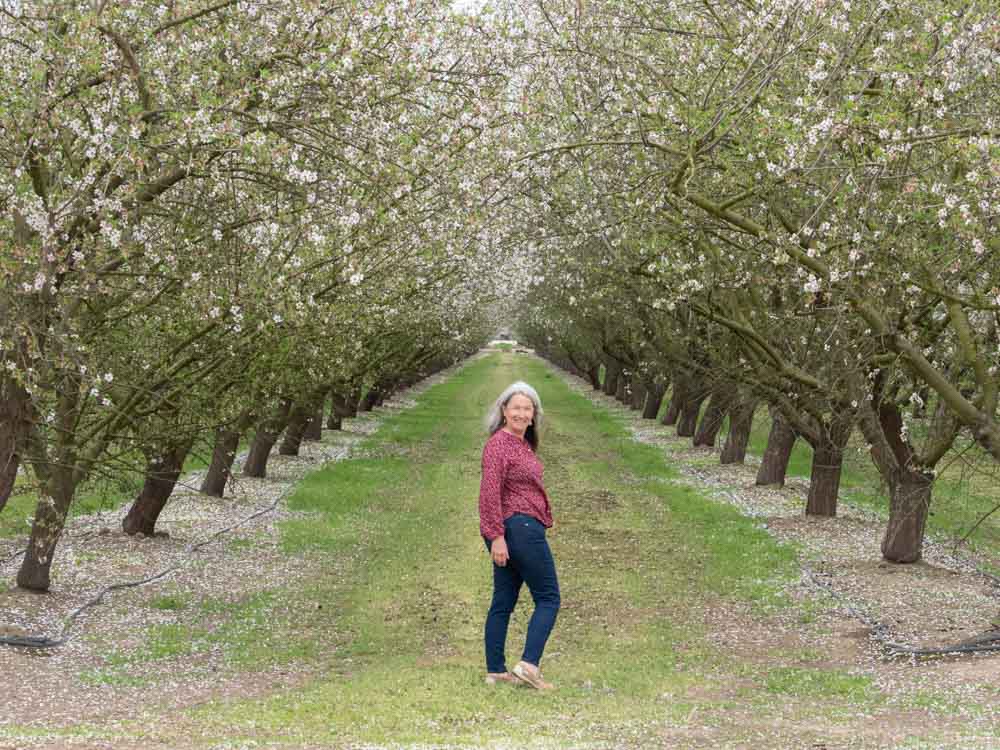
[{"x": 511, "y": 483}]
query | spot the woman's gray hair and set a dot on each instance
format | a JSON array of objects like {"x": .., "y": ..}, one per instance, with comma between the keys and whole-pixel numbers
[{"x": 494, "y": 420}]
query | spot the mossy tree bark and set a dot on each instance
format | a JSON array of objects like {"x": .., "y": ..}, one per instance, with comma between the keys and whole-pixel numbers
[
  {"x": 301, "y": 414},
  {"x": 612, "y": 371},
  {"x": 369, "y": 399},
  {"x": 621, "y": 391},
  {"x": 690, "y": 407},
  {"x": 824, "y": 481},
  {"x": 594, "y": 375},
  {"x": 654, "y": 399},
  {"x": 162, "y": 471},
  {"x": 53, "y": 505},
  {"x": 264, "y": 440},
  {"x": 638, "y": 396},
  {"x": 227, "y": 442},
  {"x": 677, "y": 396},
  {"x": 909, "y": 473},
  {"x": 314, "y": 427},
  {"x": 15, "y": 423},
  {"x": 780, "y": 441},
  {"x": 297, "y": 422},
  {"x": 734, "y": 450},
  {"x": 909, "y": 507},
  {"x": 723, "y": 395},
  {"x": 59, "y": 468},
  {"x": 828, "y": 442}
]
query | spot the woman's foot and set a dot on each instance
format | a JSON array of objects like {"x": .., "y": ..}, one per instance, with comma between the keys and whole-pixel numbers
[
  {"x": 493, "y": 678},
  {"x": 531, "y": 675}
]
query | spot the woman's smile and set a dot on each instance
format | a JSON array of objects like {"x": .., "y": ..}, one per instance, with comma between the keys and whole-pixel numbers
[{"x": 519, "y": 413}]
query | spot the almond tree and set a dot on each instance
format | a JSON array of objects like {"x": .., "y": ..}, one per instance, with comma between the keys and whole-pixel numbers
[
  {"x": 793, "y": 143},
  {"x": 186, "y": 184}
]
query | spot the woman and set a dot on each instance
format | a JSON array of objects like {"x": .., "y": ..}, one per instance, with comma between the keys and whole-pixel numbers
[{"x": 513, "y": 515}]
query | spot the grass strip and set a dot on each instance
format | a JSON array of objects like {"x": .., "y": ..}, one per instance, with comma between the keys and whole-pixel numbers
[{"x": 640, "y": 559}]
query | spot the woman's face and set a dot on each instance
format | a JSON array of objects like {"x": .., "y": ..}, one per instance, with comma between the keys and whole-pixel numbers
[{"x": 518, "y": 414}]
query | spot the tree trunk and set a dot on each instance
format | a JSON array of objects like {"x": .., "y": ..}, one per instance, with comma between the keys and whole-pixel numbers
[
  {"x": 59, "y": 473},
  {"x": 300, "y": 416},
  {"x": 15, "y": 411},
  {"x": 824, "y": 483},
  {"x": 264, "y": 440},
  {"x": 227, "y": 441},
  {"x": 690, "y": 409},
  {"x": 654, "y": 398},
  {"x": 677, "y": 396},
  {"x": 594, "y": 375},
  {"x": 314, "y": 427},
  {"x": 9, "y": 462},
  {"x": 370, "y": 398},
  {"x": 611, "y": 374},
  {"x": 162, "y": 472},
  {"x": 828, "y": 462},
  {"x": 621, "y": 391},
  {"x": 909, "y": 506},
  {"x": 344, "y": 406},
  {"x": 638, "y": 394},
  {"x": 715, "y": 414},
  {"x": 384, "y": 391},
  {"x": 260, "y": 449},
  {"x": 50, "y": 517},
  {"x": 740, "y": 424},
  {"x": 334, "y": 421},
  {"x": 780, "y": 441},
  {"x": 353, "y": 399},
  {"x": 910, "y": 482}
]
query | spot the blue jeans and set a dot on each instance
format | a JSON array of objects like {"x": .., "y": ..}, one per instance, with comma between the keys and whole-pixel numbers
[{"x": 530, "y": 562}]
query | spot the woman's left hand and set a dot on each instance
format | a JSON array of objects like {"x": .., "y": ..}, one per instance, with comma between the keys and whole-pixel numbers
[{"x": 498, "y": 549}]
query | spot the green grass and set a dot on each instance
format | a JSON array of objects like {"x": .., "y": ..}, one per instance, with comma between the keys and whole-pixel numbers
[
  {"x": 169, "y": 602},
  {"x": 635, "y": 553},
  {"x": 819, "y": 683},
  {"x": 113, "y": 676},
  {"x": 94, "y": 495},
  {"x": 238, "y": 544},
  {"x": 337, "y": 494},
  {"x": 166, "y": 641},
  {"x": 252, "y": 634},
  {"x": 390, "y": 625}
]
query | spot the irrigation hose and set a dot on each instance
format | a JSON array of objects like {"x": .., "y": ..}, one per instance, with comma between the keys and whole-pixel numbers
[
  {"x": 44, "y": 642},
  {"x": 986, "y": 643}
]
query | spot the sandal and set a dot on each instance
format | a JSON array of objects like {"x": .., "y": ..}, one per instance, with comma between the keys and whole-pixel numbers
[{"x": 530, "y": 675}]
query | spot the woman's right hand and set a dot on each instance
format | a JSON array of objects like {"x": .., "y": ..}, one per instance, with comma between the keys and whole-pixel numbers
[{"x": 498, "y": 550}]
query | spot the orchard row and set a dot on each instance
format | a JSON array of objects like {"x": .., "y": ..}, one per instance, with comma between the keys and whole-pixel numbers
[
  {"x": 783, "y": 204},
  {"x": 216, "y": 214}
]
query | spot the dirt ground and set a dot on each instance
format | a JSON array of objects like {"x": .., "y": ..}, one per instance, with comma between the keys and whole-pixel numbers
[{"x": 864, "y": 604}]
